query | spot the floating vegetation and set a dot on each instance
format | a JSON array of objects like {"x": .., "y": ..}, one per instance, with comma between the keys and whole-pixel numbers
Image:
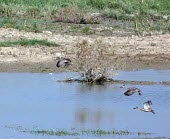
[
  {"x": 100, "y": 132},
  {"x": 143, "y": 133},
  {"x": 97, "y": 132},
  {"x": 88, "y": 132},
  {"x": 63, "y": 132},
  {"x": 54, "y": 132}
]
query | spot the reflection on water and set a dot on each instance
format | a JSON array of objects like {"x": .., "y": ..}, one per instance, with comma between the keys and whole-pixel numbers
[
  {"x": 85, "y": 117},
  {"x": 36, "y": 101},
  {"x": 83, "y": 88}
]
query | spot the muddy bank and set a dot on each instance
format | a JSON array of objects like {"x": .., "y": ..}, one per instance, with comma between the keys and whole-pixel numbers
[
  {"x": 50, "y": 66},
  {"x": 138, "y": 52}
]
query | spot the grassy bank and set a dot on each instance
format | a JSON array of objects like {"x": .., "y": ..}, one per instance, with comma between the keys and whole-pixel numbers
[
  {"x": 28, "y": 43},
  {"x": 144, "y": 15},
  {"x": 126, "y": 6},
  {"x": 42, "y": 7}
]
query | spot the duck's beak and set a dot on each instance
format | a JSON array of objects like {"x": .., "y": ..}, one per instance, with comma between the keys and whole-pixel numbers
[{"x": 140, "y": 93}]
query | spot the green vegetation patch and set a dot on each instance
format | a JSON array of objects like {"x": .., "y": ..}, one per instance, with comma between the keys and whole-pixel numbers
[
  {"x": 28, "y": 42},
  {"x": 97, "y": 132},
  {"x": 144, "y": 15},
  {"x": 56, "y": 133},
  {"x": 89, "y": 133},
  {"x": 46, "y": 8},
  {"x": 100, "y": 132},
  {"x": 34, "y": 25}
]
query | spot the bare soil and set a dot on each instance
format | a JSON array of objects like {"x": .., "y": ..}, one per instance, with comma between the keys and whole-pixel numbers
[{"x": 139, "y": 52}]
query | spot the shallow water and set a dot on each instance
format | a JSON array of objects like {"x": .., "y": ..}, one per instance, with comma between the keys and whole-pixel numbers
[
  {"x": 145, "y": 75},
  {"x": 35, "y": 101}
]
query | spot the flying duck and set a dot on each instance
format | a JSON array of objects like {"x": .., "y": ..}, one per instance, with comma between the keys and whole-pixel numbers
[
  {"x": 63, "y": 62},
  {"x": 147, "y": 107},
  {"x": 132, "y": 90}
]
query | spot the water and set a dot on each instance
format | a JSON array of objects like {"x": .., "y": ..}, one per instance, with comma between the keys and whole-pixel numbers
[
  {"x": 145, "y": 75},
  {"x": 35, "y": 101}
]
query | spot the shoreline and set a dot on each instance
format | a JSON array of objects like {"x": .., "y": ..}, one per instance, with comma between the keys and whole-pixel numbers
[{"x": 149, "y": 52}]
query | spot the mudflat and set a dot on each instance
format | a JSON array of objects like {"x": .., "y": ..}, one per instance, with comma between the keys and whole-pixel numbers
[{"x": 139, "y": 52}]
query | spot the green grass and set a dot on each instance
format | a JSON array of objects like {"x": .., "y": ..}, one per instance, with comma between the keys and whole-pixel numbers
[
  {"x": 34, "y": 25},
  {"x": 87, "y": 30},
  {"x": 124, "y": 5},
  {"x": 44, "y": 8},
  {"x": 149, "y": 15},
  {"x": 27, "y": 42}
]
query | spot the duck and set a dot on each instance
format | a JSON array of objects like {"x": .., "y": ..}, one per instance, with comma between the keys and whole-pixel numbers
[
  {"x": 132, "y": 90},
  {"x": 63, "y": 62},
  {"x": 147, "y": 107}
]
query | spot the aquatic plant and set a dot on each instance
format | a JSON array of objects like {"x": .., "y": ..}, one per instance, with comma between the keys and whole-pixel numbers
[
  {"x": 88, "y": 132},
  {"x": 55, "y": 132},
  {"x": 63, "y": 132}
]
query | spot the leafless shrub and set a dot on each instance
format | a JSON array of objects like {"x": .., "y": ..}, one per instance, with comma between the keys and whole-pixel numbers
[{"x": 95, "y": 61}]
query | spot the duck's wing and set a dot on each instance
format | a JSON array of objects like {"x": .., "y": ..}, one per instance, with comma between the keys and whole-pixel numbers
[
  {"x": 59, "y": 63},
  {"x": 63, "y": 62},
  {"x": 66, "y": 62},
  {"x": 129, "y": 92},
  {"x": 134, "y": 89},
  {"x": 67, "y": 59}
]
